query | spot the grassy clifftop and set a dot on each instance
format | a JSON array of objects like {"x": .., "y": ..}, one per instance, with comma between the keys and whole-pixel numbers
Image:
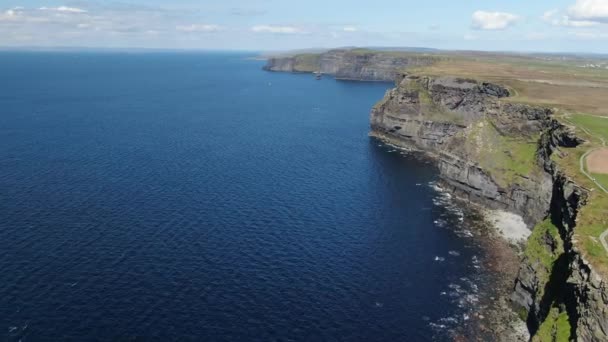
[
  {"x": 592, "y": 220},
  {"x": 553, "y": 82},
  {"x": 307, "y": 62}
]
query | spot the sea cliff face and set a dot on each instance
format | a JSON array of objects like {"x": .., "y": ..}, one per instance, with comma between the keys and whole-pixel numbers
[
  {"x": 498, "y": 154},
  {"x": 462, "y": 122},
  {"x": 361, "y": 65}
]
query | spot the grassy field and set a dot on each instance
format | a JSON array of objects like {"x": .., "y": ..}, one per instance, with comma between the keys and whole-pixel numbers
[
  {"x": 602, "y": 179},
  {"x": 552, "y": 83},
  {"x": 598, "y": 126}
]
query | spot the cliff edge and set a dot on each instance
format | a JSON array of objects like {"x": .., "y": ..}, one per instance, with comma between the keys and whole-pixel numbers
[{"x": 350, "y": 64}]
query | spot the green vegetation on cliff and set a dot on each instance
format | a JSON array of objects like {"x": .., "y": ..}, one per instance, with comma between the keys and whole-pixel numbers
[
  {"x": 306, "y": 62},
  {"x": 544, "y": 234},
  {"x": 556, "y": 328},
  {"x": 543, "y": 249},
  {"x": 505, "y": 158}
]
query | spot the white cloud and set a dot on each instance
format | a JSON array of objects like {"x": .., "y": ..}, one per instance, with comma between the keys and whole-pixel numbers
[
  {"x": 64, "y": 9},
  {"x": 11, "y": 14},
  {"x": 566, "y": 21},
  {"x": 349, "y": 29},
  {"x": 276, "y": 29},
  {"x": 590, "y": 10},
  {"x": 554, "y": 18},
  {"x": 208, "y": 28},
  {"x": 483, "y": 20}
]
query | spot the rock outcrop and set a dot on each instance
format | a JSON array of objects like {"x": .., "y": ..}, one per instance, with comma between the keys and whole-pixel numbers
[{"x": 356, "y": 64}]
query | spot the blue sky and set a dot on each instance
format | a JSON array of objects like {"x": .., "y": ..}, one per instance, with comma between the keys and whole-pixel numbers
[{"x": 516, "y": 25}]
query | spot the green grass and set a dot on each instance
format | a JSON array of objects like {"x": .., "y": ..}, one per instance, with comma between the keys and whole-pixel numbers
[
  {"x": 520, "y": 156},
  {"x": 536, "y": 248},
  {"x": 592, "y": 222},
  {"x": 538, "y": 253},
  {"x": 596, "y": 125},
  {"x": 555, "y": 328},
  {"x": 602, "y": 179},
  {"x": 505, "y": 158}
]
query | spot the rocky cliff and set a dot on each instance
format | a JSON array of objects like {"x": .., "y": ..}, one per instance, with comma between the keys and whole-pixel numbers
[
  {"x": 475, "y": 137},
  {"x": 355, "y": 64},
  {"x": 498, "y": 154},
  {"x": 568, "y": 284}
]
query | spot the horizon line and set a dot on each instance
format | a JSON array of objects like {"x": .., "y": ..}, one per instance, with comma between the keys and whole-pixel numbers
[{"x": 34, "y": 48}]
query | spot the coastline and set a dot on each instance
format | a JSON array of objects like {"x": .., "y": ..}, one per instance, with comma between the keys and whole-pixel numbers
[
  {"x": 503, "y": 156},
  {"x": 501, "y": 237}
]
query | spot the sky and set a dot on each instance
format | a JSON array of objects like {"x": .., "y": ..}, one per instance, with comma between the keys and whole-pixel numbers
[{"x": 276, "y": 25}]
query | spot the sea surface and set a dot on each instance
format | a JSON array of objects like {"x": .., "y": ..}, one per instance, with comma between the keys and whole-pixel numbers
[{"x": 193, "y": 196}]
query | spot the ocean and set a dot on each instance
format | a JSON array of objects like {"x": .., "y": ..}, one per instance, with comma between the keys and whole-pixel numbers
[{"x": 193, "y": 196}]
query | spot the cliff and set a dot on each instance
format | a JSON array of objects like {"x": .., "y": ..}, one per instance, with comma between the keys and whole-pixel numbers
[
  {"x": 353, "y": 64},
  {"x": 485, "y": 148},
  {"x": 499, "y": 154}
]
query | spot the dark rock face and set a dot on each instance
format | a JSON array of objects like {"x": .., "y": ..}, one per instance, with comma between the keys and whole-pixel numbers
[
  {"x": 591, "y": 301},
  {"x": 580, "y": 290},
  {"x": 286, "y": 64},
  {"x": 351, "y": 64}
]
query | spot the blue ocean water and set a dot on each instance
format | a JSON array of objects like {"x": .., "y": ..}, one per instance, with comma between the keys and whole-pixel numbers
[{"x": 193, "y": 196}]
